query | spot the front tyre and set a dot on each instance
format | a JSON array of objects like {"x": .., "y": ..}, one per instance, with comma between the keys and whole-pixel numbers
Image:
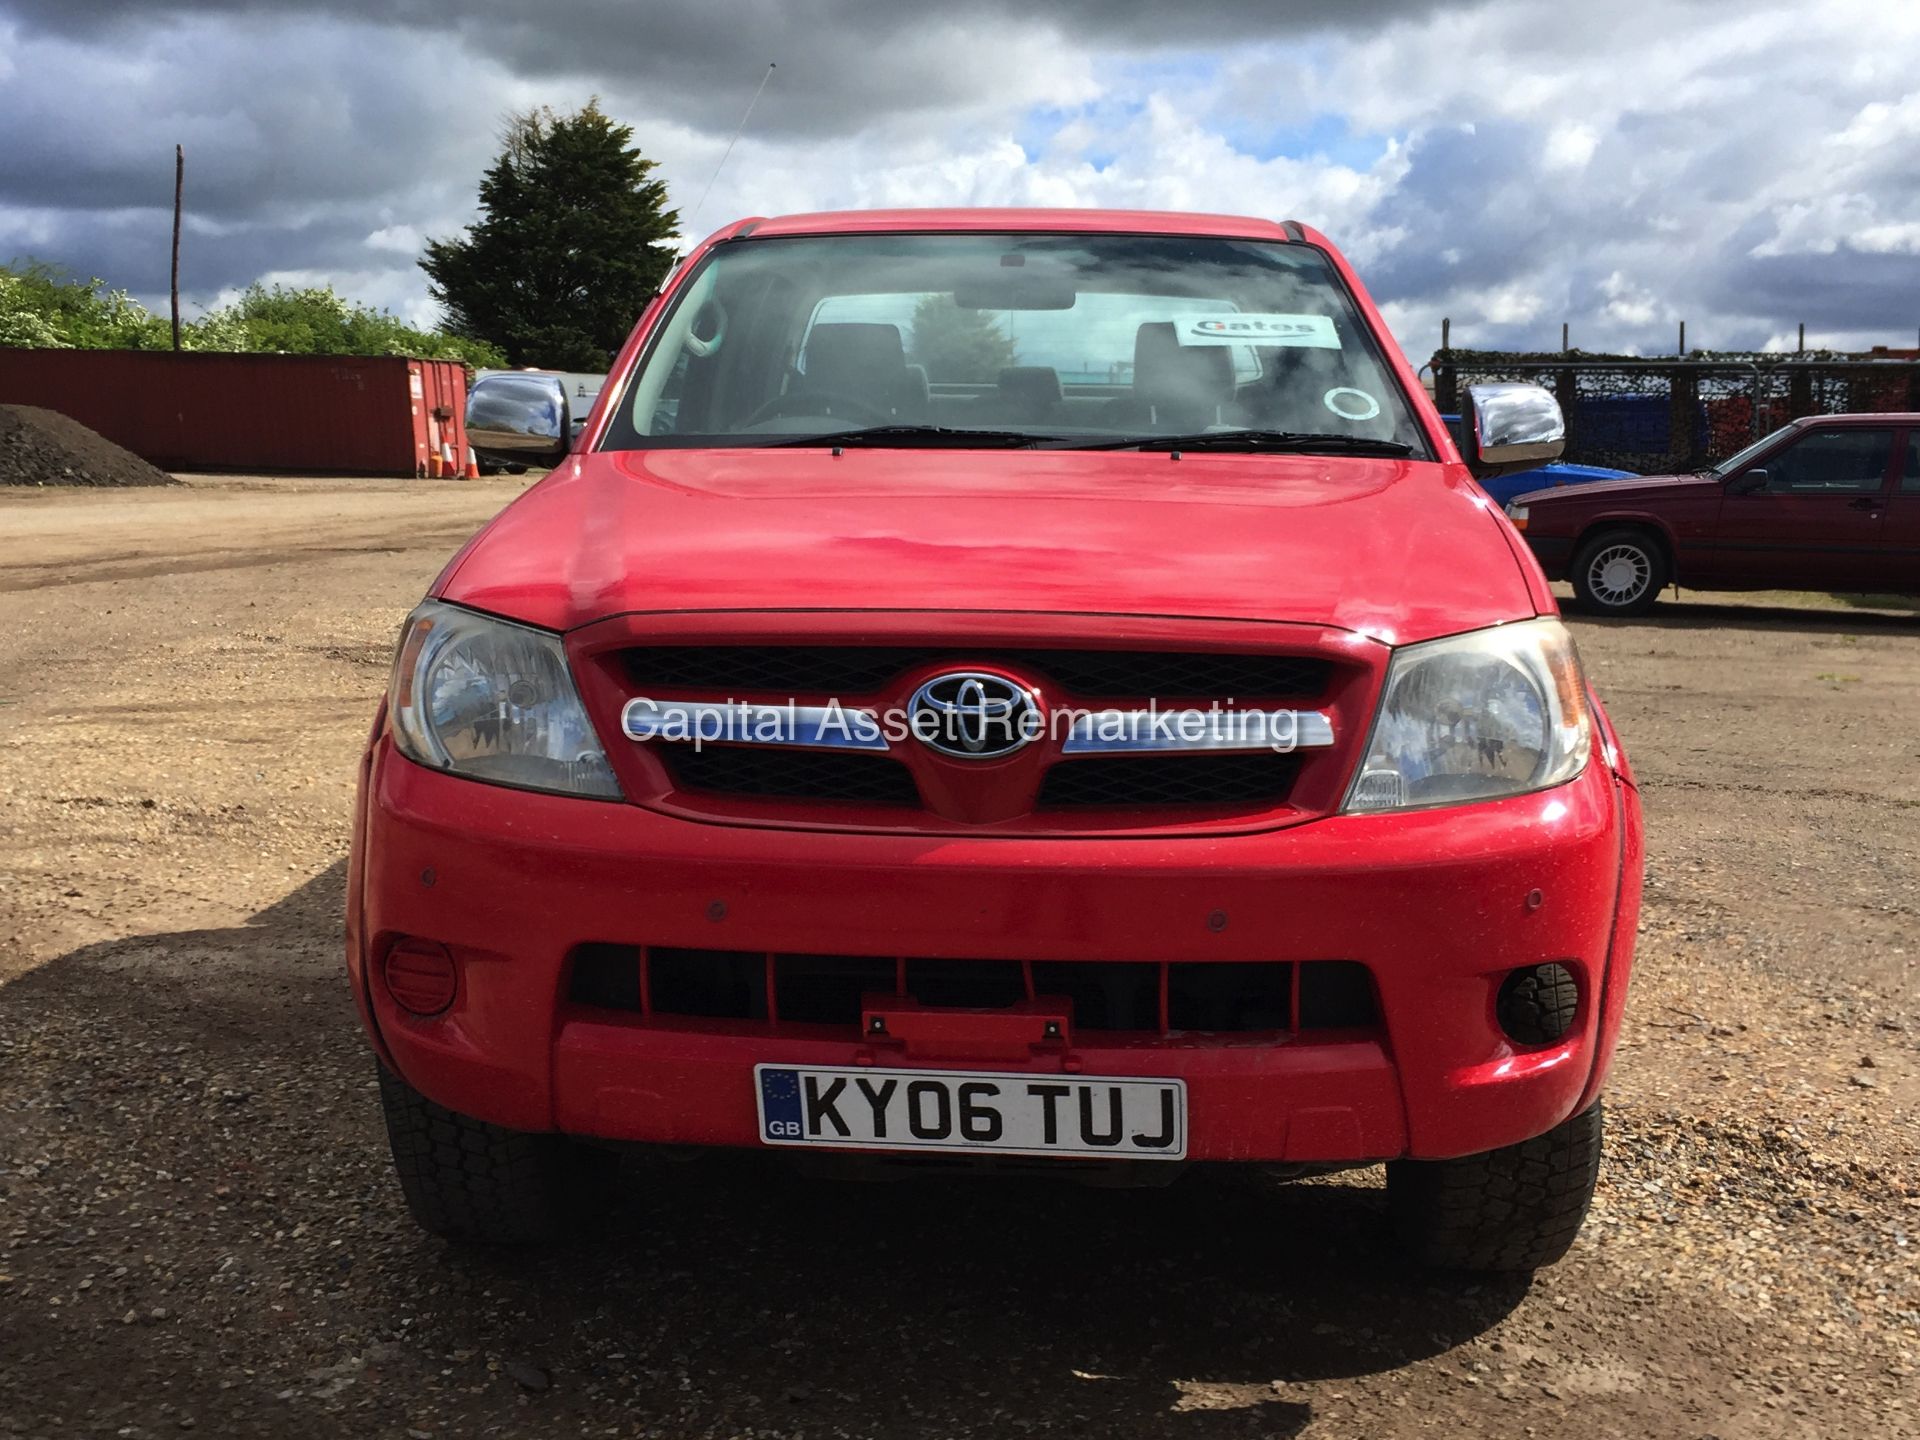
[
  {"x": 1620, "y": 572},
  {"x": 1516, "y": 1208},
  {"x": 467, "y": 1180}
]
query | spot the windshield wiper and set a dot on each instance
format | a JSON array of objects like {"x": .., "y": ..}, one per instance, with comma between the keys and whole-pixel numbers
[
  {"x": 907, "y": 436},
  {"x": 1296, "y": 441}
]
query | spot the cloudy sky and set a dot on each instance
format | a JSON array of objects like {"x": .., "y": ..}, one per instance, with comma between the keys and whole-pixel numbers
[{"x": 1511, "y": 164}]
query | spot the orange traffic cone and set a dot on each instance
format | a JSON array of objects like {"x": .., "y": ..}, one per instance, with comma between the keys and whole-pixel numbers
[
  {"x": 446, "y": 459},
  {"x": 473, "y": 464}
]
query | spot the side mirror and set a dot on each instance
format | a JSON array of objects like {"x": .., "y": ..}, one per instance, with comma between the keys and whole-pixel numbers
[
  {"x": 1747, "y": 482},
  {"x": 520, "y": 417},
  {"x": 1512, "y": 427}
]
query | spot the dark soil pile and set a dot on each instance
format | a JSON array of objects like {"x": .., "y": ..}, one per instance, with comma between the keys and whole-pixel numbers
[{"x": 44, "y": 447}]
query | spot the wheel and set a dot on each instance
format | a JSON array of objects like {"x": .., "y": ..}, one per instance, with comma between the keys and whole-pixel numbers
[
  {"x": 1515, "y": 1208},
  {"x": 467, "y": 1180},
  {"x": 1620, "y": 572}
]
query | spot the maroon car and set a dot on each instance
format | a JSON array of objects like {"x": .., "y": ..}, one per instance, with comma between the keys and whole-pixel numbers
[{"x": 1829, "y": 503}]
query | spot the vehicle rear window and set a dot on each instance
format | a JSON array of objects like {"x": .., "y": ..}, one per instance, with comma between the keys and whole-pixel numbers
[{"x": 1053, "y": 335}]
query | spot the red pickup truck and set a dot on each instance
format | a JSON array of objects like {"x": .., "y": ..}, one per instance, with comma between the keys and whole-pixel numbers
[
  {"x": 1827, "y": 503},
  {"x": 1017, "y": 689}
]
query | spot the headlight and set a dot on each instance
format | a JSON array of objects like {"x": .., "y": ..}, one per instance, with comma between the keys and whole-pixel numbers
[
  {"x": 1472, "y": 717},
  {"x": 495, "y": 701}
]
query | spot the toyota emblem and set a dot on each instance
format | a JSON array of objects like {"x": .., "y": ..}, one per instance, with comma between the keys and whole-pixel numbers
[{"x": 974, "y": 716}]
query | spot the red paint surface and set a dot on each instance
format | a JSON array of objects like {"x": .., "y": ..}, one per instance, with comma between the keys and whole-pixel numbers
[
  {"x": 1344, "y": 557},
  {"x": 327, "y": 414}
]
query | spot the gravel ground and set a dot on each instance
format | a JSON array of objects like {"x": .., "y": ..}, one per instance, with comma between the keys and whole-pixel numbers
[{"x": 198, "y": 1230}]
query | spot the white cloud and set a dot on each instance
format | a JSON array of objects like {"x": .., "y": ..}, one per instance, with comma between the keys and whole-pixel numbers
[
  {"x": 396, "y": 239},
  {"x": 1570, "y": 146},
  {"x": 1627, "y": 303},
  {"x": 1508, "y": 163}
]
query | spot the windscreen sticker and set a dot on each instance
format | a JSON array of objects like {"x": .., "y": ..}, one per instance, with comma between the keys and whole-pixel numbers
[
  {"x": 1314, "y": 331},
  {"x": 1350, "y": 404}
]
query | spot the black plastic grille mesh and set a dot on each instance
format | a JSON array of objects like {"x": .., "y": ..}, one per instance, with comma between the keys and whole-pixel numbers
[
  {"x": 1126, "y": 995},
  {"x": 789, "y": 774},
  {"x": 796, "y": 670},
  {"x": 1261, "y": 777}
]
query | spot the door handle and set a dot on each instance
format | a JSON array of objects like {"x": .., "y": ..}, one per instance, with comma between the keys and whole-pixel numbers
[{"x": 1866, "y": 502}]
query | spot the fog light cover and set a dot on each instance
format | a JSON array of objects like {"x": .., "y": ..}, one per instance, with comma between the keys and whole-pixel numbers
[
  {"x": 421, "y": 977},
  {"x": 1537, "y": 1003}
]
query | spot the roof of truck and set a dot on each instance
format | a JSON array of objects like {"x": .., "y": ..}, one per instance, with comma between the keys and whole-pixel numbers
[{"x": 1152, "y": 222}]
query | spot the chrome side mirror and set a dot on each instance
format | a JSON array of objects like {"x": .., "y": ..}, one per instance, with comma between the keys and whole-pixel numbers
[
  {"x": 1510, "y": 427},
  {"x": 523, "y": 418}
]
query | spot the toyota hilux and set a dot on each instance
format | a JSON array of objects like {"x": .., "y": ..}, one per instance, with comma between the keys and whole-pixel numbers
[{"x": 1013, "y": 689}]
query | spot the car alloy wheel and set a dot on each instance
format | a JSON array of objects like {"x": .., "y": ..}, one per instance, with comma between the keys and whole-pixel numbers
[{"x": 1619, "y": 574}]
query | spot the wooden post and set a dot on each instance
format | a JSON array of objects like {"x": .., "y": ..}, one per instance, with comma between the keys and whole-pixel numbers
[
  {"x": 1446, "y": 379},
  {"x": 1683, "y": 410},
  {"x": 1566, "y": 389},
  {"x": 179, "y": 186}
]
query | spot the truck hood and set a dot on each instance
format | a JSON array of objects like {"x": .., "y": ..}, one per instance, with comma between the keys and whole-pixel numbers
[{"x": 1398, "y": 549}]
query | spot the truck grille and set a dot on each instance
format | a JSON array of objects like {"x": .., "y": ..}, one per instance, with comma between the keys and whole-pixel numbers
[
  {"x": 1062, "y": 782},
  {"x": 1136, "y": 997},
  {"x": 790, "y": 774},
  {"x": 1260, "y": 777},
  {"x": 843, "y": 670}
]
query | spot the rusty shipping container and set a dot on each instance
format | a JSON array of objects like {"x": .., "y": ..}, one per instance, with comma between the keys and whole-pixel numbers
[{"x": 323, "y": 414}]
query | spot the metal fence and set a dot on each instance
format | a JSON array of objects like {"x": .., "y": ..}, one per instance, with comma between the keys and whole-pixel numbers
[{"x": 1656, "y": 416}]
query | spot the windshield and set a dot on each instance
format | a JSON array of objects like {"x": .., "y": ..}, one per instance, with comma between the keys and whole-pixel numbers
[
  {"x": 1733, "y": 464},
  {"x": 1041, "y": 337}
]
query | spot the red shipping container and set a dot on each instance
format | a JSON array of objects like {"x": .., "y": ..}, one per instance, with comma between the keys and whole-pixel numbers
[{"x": 323, "y": 414}]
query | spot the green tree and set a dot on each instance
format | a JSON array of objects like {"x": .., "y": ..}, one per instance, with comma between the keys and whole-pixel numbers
[
  {"x": 956, "y": 345},
  {"x": 41, "y": 306},
  {"x": 567, "y": 250},
  {"x": 83, "y": 314},
  {"x": 316, "y": 321},
  {"x": 20, "y": 322}
]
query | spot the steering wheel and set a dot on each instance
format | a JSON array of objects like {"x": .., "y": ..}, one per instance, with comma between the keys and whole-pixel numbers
[{"x": 821, "y": 402}]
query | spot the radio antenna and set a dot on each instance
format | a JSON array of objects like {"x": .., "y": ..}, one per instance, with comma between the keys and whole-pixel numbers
[{"x": 724, "y": 154}]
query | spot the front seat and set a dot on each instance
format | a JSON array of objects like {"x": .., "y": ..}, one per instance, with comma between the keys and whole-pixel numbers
[
  {"x": 1029, "y": 394},
  {"x": 1177, "y": 387},
  {"x": 862, "y": 361}
]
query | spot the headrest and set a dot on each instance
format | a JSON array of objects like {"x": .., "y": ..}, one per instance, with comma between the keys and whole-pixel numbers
[
  {"x": 1030, "y": 389},
  {"x": 917, "y": 390},
  {"x": 855, "y": 357},
  {"x": 1165, "y": 372}
]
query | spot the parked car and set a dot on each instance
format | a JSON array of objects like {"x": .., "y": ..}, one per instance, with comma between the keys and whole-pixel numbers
[
  {"x": 1503, "y": 488},
  {"x": 1827, "y": 503},
  {"x": 1015, "y": 688}
]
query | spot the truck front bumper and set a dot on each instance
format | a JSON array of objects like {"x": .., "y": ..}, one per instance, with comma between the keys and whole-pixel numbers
[{"x": 1439, "y": 906}]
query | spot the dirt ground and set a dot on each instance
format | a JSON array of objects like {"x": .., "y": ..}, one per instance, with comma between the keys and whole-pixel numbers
[{"x": 198, "y": 1229}]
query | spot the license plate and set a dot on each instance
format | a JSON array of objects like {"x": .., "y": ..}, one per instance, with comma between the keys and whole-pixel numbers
[{"x": 983, "y": 1112}]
